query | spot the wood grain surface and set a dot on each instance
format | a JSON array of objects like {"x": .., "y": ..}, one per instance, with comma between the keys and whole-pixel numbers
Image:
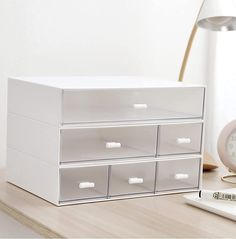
[{"x": 152, "y": 217}]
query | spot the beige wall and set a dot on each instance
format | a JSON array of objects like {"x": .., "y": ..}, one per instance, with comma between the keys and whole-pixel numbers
[{"x": 221, "y": 87}]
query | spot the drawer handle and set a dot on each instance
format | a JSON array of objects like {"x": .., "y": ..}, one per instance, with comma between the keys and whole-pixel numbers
[
  {"x": 86, "y": 185},
  {"x": 140, "y": 106},
  {"x": 180, "y": 176},
  {"x": 183, "y": 141},
  {"x": 135, "y": 180},
  {"x": 113, "y": 145}
]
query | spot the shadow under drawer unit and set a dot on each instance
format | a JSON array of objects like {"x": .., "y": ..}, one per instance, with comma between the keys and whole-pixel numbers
[{"x": 84, "y": 139}]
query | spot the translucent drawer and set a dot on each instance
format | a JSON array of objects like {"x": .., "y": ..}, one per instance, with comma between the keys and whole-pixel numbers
[
  {"x": 83, "y": 183},
  {"x": 180, "y": 139},
  {"x": 132, "y": 104},
  {"x": 132, "y": 179},
  {"x": 108, "y": 143},
  {"x": 178, "y": 174}
]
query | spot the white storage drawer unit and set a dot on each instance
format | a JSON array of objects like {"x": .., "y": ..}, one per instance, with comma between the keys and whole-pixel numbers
[
  {"x": 104, "y": 138},
  {"x": 178, "y": 174},
  {"x": 83, "y": 183},
  {"x": 131, "y": 104},
  {"x": 132, "y": 178},
  {"x": 108, "y": 143},
  {"x": 180, "y": 139}
]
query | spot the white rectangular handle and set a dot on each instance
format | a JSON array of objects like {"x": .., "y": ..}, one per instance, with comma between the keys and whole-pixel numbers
[
  {"x": 135, "y": 180},
  {"x": 113, "y": 145},
  {"x": 140, "y": 106},
  {"x": 179, "y": 176},
  {"x": 86, "y": 185},
  {"x": 183, "y": 141}
]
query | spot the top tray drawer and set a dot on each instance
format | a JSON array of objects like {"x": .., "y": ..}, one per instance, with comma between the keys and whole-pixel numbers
[{"x": 80, "y": 106}]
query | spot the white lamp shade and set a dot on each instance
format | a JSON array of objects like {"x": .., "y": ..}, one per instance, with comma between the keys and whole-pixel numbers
[{"x": 218, "y": 15}]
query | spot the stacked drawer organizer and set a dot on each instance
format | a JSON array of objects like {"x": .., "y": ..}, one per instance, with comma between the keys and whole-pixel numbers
[{"x": 83, "y": 139}]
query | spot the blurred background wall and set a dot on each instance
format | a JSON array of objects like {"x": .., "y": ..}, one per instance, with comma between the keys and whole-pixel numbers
[{"x": 98, "y": 37}]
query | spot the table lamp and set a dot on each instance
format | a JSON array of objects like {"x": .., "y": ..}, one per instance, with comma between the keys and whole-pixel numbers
[{"x": 214, "y": 15}]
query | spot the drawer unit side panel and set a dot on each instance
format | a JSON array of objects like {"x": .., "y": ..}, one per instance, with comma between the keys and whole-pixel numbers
[
  {"x": 33, "y": 175},
  {"x": 40, "y": 140},
  {"x": 35, "y": 101}
]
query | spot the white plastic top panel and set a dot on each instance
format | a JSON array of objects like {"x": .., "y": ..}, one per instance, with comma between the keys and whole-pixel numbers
[{"x": 103, "y": 82}]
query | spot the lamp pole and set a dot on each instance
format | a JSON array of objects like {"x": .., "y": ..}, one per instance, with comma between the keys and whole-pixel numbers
[
  {"x": 187, "y": 52},
  {"x": 188, "y": 49}
]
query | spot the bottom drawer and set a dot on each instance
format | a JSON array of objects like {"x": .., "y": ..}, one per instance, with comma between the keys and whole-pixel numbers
[
  {"x": 132, "y": 178},
  {"x": 178, "y": 174},
  {"x": 83, "y": 183}
]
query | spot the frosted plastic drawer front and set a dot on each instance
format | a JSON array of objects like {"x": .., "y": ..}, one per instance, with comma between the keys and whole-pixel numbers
[
  {"x": 108, "y": 143},
  {"x": 132, "y": 104},
  {"x": 132, "y": 179},
  {"x": 83, "y": 183},
  {"x": 177, "y": 174},
  {"x": 180, "y": 139}
]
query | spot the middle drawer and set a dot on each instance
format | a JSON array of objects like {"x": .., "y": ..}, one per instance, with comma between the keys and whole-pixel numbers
[
  {"x": 108, "y": 143},
  {"x": 133, "y": 178}
]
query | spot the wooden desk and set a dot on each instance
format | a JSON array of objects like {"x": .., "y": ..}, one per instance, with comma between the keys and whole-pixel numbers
[{"x": 163, "y": 216}]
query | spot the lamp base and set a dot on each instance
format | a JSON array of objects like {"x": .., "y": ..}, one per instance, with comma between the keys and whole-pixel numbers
[
  {"x": 231, "y": 178},
  {"x": 208, "y": 162}
]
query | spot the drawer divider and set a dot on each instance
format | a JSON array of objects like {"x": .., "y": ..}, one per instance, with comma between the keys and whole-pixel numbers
[
  {"x": 155, "y": 182},
  {"x": 108, "y": 181},
  {"x": 157, "y": 141}
]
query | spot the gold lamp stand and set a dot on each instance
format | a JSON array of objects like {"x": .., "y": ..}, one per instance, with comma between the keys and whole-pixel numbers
[
  {"x": 230, "y": 178},
  {"x": 187, "y": 52}
]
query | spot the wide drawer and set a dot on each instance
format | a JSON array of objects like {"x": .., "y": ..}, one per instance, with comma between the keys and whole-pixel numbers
[
  {"x": 132, "y": 178},
  {"x": 132, "y": 104},
  {"x": 108, "y": 143},
  {"x": 83, "y": 183},
  {"x": 179, "y": 139},
  {"x": 178, "y": 174}
]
